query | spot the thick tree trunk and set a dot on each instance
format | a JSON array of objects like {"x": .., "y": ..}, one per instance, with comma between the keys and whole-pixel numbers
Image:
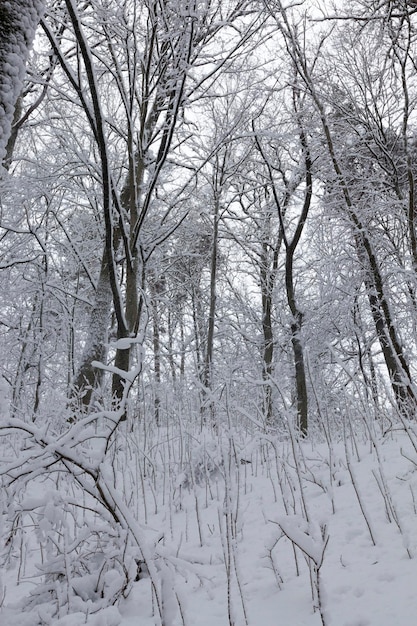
[
  {"x": 268, "y": 335},
  {"x": 297, "y": 345},
  {"x": 88, "y": 378},
  {"x": 300, "y": 375},
  {"x": 207, "y": 405},
  {"x": 135, "y": 283},
  {"x": 123, "y": 355},
  {"x": 8, "y": 156},
  {"x": 18, "y": 22}
]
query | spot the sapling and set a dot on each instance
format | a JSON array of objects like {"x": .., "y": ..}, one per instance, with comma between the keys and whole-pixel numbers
[
  {"x": 198, "y": 518},
  {"x": 287, "y": 493},
  {"x": 180, "y": 602},
  {"x": 390, "y": 509},
  {"x": 383, "y": 486},
  {"x": 413, "y": 497},
  {"x": 359, "y": 497},
  {"x": 270, "y": 548},
  {"x": 297, "y": 455},
  {"x": 312, "y": 541},
  {"x": 325, "y": 427},
  {"x": 231, "y": 514}
]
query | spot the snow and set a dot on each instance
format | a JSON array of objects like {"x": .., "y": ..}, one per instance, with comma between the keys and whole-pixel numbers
[
  {"x": 251, "y": 542},
  {"x": 304, "y": 535}
]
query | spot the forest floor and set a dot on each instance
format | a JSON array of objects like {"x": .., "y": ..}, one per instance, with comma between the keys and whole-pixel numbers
[{"x": 264, "y": 530}]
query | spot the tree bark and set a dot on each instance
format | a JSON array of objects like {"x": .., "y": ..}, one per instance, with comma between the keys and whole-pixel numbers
[
  {"x": 207, "y": 406},
  {"x": 88, "y": 378},
  {"x": 266, "y": 281},
  {"x": 392, "y": 351},
  {"x": 290, "y": 249},
  {"x": 394, "y": 357},
  {"x": 18, "y": 22}
]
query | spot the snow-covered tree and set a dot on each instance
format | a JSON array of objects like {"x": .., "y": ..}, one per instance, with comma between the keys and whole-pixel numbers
[{"x": 18, "y": 22}]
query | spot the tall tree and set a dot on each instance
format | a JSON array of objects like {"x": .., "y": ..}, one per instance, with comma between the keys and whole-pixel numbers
[
  {"x": 290, "y": 183},
  {"x": 155, "y": 72},
  {"x": 386, "y": 328}
]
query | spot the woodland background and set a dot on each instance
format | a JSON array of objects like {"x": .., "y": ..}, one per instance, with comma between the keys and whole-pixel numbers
[{"x": 208, "y": 241}]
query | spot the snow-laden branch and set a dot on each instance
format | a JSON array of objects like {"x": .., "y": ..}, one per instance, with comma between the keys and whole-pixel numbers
[{"x": 307, "y": 536}]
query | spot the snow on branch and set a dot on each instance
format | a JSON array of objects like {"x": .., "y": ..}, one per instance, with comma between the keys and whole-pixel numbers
[{"x": 311, "y": 539}]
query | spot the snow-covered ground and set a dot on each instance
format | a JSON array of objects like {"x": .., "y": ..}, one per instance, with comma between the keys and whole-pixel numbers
[{"x": 263, "y": 531}]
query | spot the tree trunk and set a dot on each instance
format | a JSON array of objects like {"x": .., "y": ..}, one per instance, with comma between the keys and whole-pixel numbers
[
  {"x": 156, "y": 287},
  {"x": 392, "y": 351},
  {"x": 207, "y": 406},
  {"x": 300, "y": 375},
  {"x": 135, "y": 282},
  {"x": 88, "y": 378},
  {"x": 18, "y": 22},
  {"x": 267, "y": 332}
]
